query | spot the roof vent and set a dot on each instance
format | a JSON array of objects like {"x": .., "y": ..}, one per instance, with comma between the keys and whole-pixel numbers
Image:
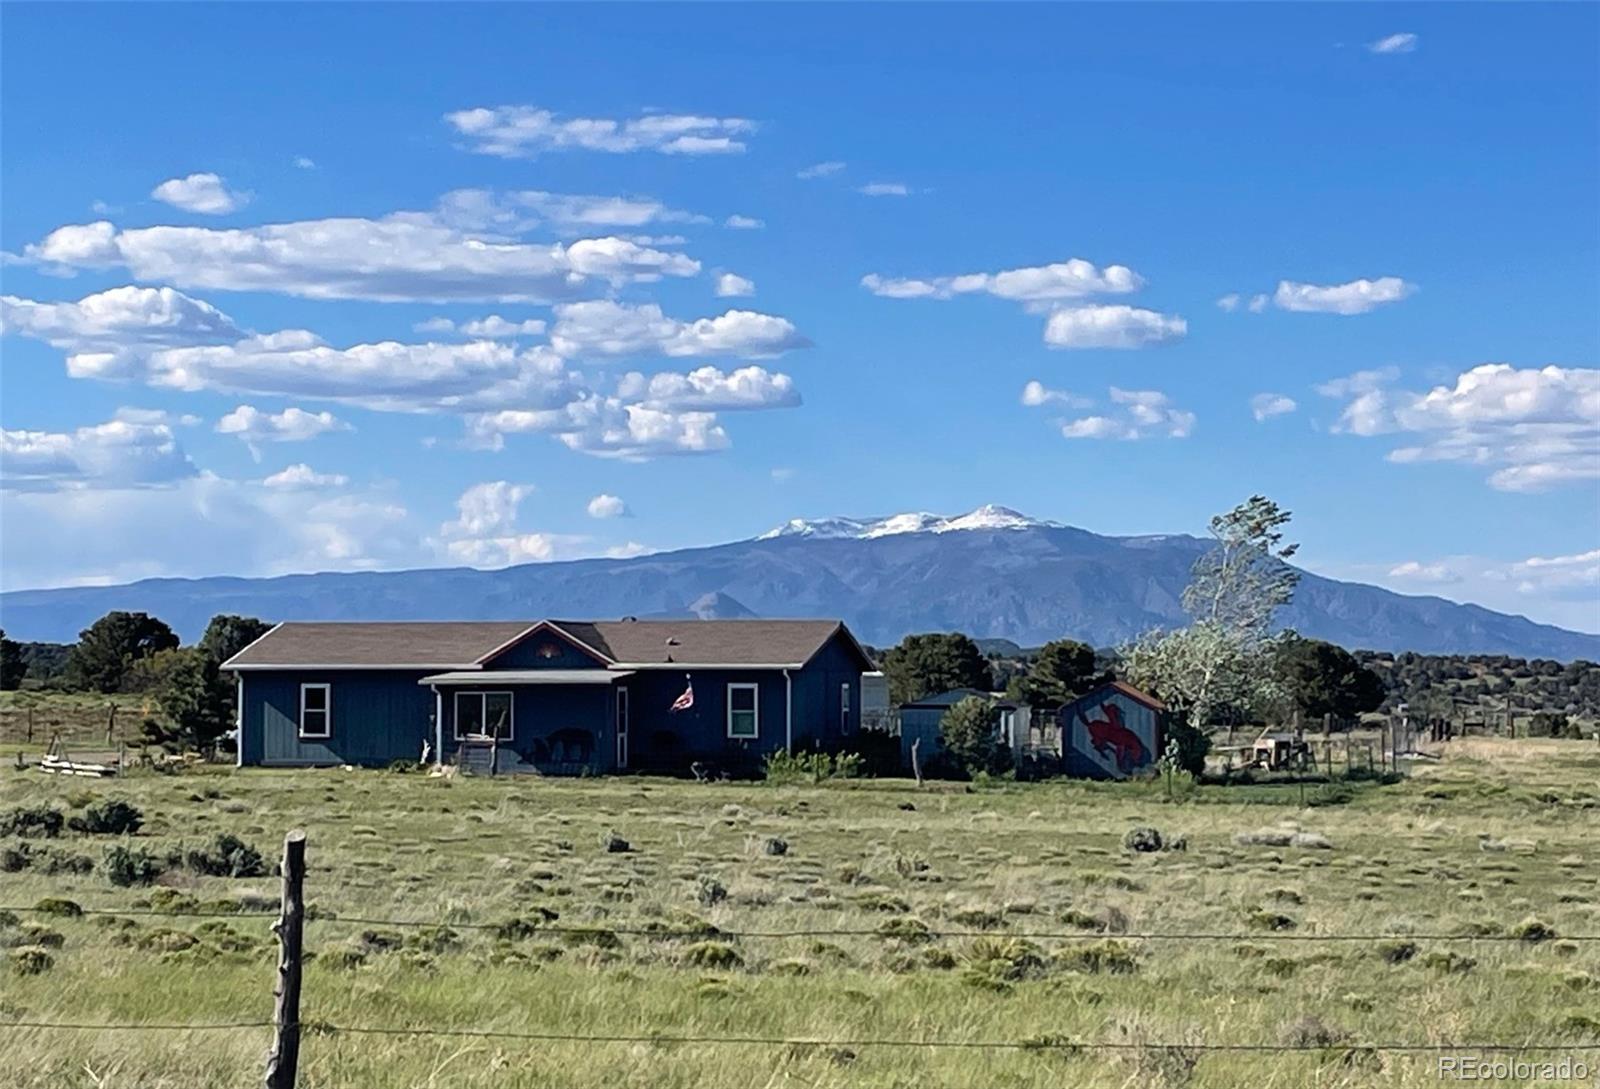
[
  {"x": 629, "y": 619},
  {"x": 672, "y": 640}
]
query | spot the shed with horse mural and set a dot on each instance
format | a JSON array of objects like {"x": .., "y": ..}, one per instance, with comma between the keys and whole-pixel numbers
[{"x": 1113, "y": 732}]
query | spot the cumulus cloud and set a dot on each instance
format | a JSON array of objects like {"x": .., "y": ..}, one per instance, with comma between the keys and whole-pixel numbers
[
  {"x": 130, "y": 451},
  {"x": 493, "y": 327},
  {"x": 206, "y": 194},
  {"x": 820, "y": 170},
  {"x": 1415, "y": 571},
  {"x": 604, "y": 328},
  {"x": 253, "y": 427},
  {"x": 304, "y": 476},
  {"x": 1355, "y": 297},
  {"x": 1394, "y": 43},
  {"x": 1264, "y": 406},
  {"x": 1133, "y": 414},
  {"x": 884, "y": 189},
  {"x": 606, "y": 427},
  {"x": 305, "y": 162},
  {"x": 744, "y": 223},
  {"x": 1110, "y": 327},
  {"x": 708, "y": 389},
  {"x": 607, "y": 506},
  {"x": 1534, "y": 429},
  {"x": 520, "y": 132},
  {"x": 1069, "y": 279},
  {"x": 730, "y": 286},
  {"x": 402, "y": 258},
  {"x": 112, "y": 326},
  {"x": 1228, "y": 303},
  {"x": 1554, "y": 589}
]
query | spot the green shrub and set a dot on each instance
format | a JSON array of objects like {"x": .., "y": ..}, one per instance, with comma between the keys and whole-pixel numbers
[
  {"x": 785, "y": 768},
  {"x": 719, "y": 955},
  {"x": 31, "y": 960},
  {"x": 57, "y": 906},
  {"x": 1533, "y": 931},
  {"x": 130, "y": 865},
  {"x": 1116, "y": 958},
  {"x": 14, "y": 859},
  {"x": 1396, "y": 951},
  {"x": 112, "y": 817},
  {"x": 1331, "y": 794},
  {"x": 227, "y": 856},
  {"x": 32, "y": 820}
]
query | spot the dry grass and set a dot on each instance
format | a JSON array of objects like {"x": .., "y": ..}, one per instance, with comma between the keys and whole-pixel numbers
[{"x": 1007, "y": 861}]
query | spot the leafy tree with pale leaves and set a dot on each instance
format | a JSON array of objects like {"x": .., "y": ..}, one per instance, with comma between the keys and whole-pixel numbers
[{"x": 969, "y": 734}]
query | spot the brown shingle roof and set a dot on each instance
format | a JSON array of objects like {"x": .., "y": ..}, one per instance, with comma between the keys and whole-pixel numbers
[
  {"x": 463, "y": 643},
  {"x": 421, "y": 643}
]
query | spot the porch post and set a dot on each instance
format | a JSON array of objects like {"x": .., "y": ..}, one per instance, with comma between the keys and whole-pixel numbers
[
  {"x": 788, "y": 712},
  {"x": 238, "y": 720},
  {"x": 438, "y": 726}
]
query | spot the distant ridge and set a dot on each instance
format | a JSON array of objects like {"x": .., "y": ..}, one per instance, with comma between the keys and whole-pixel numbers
[{"x": 993, "y": 573}]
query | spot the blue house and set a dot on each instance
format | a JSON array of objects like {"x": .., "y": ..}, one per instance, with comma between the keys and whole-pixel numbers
[{"x": 556, "y": 696}]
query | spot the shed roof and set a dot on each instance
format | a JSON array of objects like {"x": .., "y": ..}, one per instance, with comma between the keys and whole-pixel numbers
[{"x": 458, "y": 645}]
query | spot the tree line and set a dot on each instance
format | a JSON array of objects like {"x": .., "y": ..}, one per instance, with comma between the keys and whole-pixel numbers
[{"x": 136, "y": 652}]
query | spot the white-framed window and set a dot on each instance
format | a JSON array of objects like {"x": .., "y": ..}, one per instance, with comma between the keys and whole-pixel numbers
[
  {"x": 744, "y": 711},
  {"x": 487, "y": 714},
  {"x": 844, "y": 708},
  {"x": 316, "y": 710}
]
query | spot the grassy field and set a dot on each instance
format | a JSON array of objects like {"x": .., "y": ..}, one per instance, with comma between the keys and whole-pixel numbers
[{"x": 995, "y": 864}]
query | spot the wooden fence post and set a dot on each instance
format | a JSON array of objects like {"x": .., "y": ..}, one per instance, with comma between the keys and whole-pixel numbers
[
  {"x": 111, "y": 721},
  {"x": 916, "y": 762},
  {"x": 284, "y": 1058},
  {"x": 30, "y": 725}
]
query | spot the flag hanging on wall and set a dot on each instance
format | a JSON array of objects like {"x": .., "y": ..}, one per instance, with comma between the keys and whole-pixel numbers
[{"x": 685, "y": 701}]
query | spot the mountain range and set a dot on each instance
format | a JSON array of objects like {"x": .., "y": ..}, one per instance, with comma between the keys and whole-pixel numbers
[{"x": 992, "y": 573}]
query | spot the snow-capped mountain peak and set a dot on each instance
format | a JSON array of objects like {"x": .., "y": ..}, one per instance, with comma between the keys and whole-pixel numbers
[{"x": 986, "y": 517}]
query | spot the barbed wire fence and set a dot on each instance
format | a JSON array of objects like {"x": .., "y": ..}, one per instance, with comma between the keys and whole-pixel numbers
[{"x": 288, "y": 1026}]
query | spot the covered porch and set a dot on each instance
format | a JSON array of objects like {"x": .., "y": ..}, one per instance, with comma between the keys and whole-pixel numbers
[{"x": 538, "y": 721}]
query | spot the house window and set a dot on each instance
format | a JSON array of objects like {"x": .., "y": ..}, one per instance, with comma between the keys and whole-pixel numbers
[
  {"x": 316, "y": 714},
  {"x": 744, "y": 718},
  {"x": 483, "y": 714},
  {"x": 844, "y": 708}
]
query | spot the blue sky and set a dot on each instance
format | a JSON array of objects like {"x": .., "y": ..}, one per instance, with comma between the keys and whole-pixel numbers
[{"x": 1373, "y": 226}]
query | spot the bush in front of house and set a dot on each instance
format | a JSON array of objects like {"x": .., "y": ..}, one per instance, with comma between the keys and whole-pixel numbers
[{"x": 969, "y": 735}]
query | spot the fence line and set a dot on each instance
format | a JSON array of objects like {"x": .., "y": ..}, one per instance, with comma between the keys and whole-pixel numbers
[
  {"x": 667, "y": 930},
  {"x": 1048, "y": 1043}
]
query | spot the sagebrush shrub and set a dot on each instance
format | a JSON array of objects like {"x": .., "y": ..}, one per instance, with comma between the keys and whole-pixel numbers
[
  {"x": 32, "y": 820},
  {"x": 130, "y": 865},
  {"x": 227, "y": 856},
  {"x": 112, "y": 817}
]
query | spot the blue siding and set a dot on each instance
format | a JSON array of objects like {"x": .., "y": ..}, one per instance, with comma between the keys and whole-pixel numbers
[
  {"x": 378, "y": 716},
  {"x": 563, "y": 729},
  {"x": 535, "y": 652}
]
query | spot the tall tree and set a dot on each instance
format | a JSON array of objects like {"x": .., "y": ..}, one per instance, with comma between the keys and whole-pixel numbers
[
  {"x": 12, "y": 665},
  {"x": 107, "y": 649},
  {"x": 1323, "y": 679},
  {"x": 1244, "y": 579},
  {"x": 969, "y": 734},
  {"x": 227, "y": 635},
  {"x": 195, "y": 700},
  {"x": 925, "y": 665},
  {"x": 1062, "y": 671}
]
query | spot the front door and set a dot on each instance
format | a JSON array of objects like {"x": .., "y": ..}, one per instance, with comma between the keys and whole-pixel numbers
[{"x": 622, "y": 727}]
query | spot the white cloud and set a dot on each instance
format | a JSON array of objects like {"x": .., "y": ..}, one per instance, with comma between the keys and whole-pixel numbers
[
  {"x": 1228, "y": 303},
  {"x": 516, "y": 132},
  {"x": 493, "y": 327},
  {"x": 1258, "y": 303},
  {"x": 820, "y": 170},
  {"x": 402, "y": 258},
  {"x": 1394, "y": 43},
  {"x": 884, "y": 189},
  {"x": 1534, "y": 429},
  {"x": 1264, "y": 406},
  {"x": 206, "y": 194},
  {"x": 1414, "y": 571},
  {"x": 302, "y": 475},
  {"x": 124, "y": 452},
  {"x": 1110, "y": 327},
  {"x": 1071, "y": 279},
  {"x": 1036, "y": 393},
  {"x": 487, "y": 509},
  {"x": 1136, "y": 414},
  {"x": 627, "y": 551},
  {"x": 606, "y": 427},
  {"x": 1355, "y": 297},
  {"x": 783, "y": 473},
  {"x": 203, "y": 525},
  {"x": 604, "y": 328},
  {"x": 518, "y": 211},
  {"x": 112, "y": 326},
  {"x": 730, "y": 286},
  {"x": 304, "y": 162},
  {"x": 252, "y": 426},
  {"x": 744, "y": 223},
  {"x": 607, "y": 506},
  {"x": 707, "y": 389}
]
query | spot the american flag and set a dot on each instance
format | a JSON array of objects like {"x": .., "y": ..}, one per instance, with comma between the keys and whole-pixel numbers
[{"x": 685, "y": 701}]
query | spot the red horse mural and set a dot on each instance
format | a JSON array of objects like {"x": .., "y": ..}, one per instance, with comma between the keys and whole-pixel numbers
[{"x": 1114, "y": 741}]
